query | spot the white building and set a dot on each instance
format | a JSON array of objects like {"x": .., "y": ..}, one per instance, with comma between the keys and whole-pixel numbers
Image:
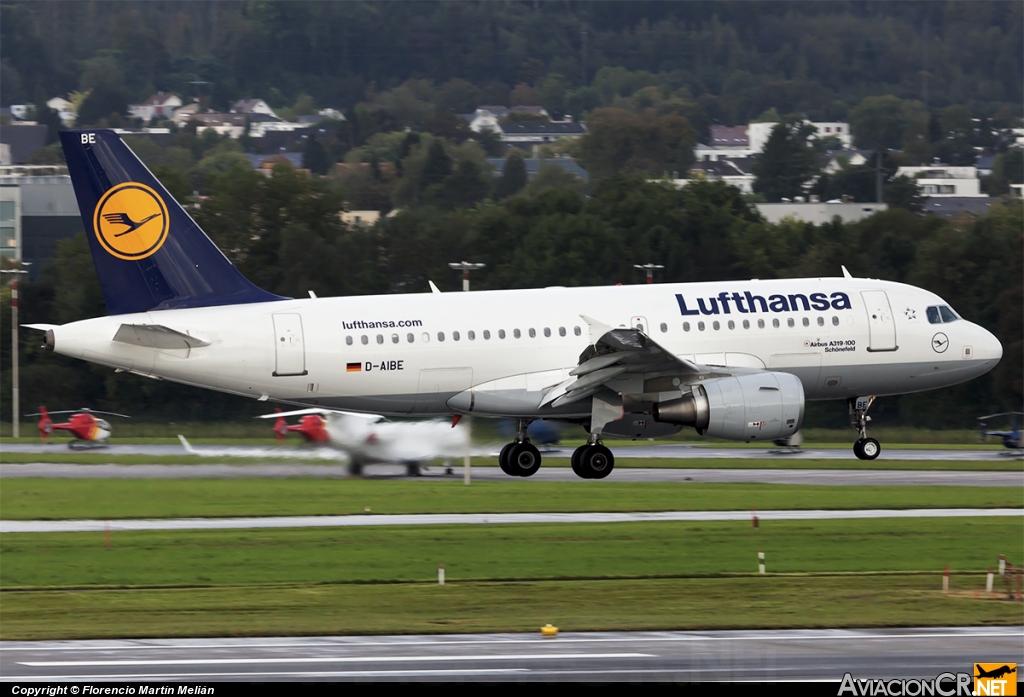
[
  {"x": 944, "y": 180},
  {"x": 258, "y": 129},
  {"x": 65, "y": 110},
  {"x": 758, "y": 133},
  {"x": 818, "y": 213},
  {"x": 252, "y": 106},
  {"x": 159, "y": 105}
]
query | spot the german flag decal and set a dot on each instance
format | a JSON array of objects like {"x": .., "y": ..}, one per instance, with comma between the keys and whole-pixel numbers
[{"x": 353, "y": 367}]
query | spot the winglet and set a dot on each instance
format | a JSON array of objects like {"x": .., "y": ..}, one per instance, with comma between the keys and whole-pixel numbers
[
  {"x": 188, "y": 447},
  {"x": 846, "y": 273},
  {"x": 597, "y": 329},
  {"x": 433, "y": 288}
]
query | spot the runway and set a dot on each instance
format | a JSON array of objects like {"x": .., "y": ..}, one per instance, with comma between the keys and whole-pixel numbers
[
  {"x": 670, "y": 451},
  {"x": 823, "y": 477},
  {"x": 34, "y": 526},
  {"x": 683, "y": 657}
]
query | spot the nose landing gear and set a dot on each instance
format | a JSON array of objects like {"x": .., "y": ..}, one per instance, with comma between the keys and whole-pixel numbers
[{"x": 864, "y": 448}]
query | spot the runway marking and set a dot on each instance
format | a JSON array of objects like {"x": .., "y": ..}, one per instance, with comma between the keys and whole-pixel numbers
[
  {"x": 788, "y": 635},
  {"x": 139, "y": 524},
  {"x": 330, "y": 659}
]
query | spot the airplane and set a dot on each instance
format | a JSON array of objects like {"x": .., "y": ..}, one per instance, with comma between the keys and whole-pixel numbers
[
  {"x": 1011, "y": 438},
  {"x": 371, "y": 439},
  {"x": 995, "y": 672},
  {"x": 732, "y": 359},
  {"x": 89, "y": 432}
]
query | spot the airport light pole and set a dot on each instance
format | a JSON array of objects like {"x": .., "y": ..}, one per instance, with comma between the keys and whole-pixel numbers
[
  {"x": 649, "y": 268},
  {"x": 465, "y": 267},
  {"x": 15, "y": 421}
]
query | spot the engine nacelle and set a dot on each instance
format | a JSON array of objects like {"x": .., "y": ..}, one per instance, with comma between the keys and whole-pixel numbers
[{"x": 762, "y": 406}]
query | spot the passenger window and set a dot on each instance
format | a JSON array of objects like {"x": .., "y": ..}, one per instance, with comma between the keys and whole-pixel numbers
[
  {"x": 394, "y": 338},
  {"x": 664, "y": 327},
  {"x": 775, "y": 323},
  {"x": 471, "y": 334},
  {"x": 380, "y": 338},
  {"x": 821, "y": 321},
  {"x": 547, "y": 331},
  {"x": 807, "y": 322},
  {"x": 760, "y": 324},
  {"x": 576, "y": 331},
  {"x": 700, "y": 326},
  {"x": 947, "y": 314},
  {"x": 533, "y": 333},
  {"x": 732, "y": 325},
  {"x": 516, "y": 333},
  {"x": 686, "y": 326},
  {"x": 561, "y": 331},
  {"x": 933, "y": 315},
  {"x": 348, "y": 340},
  {"x": 410, "y": 338},
  {"x": 835, "y": 321},
  {"x": 487, "y": 334},
  {"x": 364, "y": 339},
  {"x": 440, "y": 336},
  {"x": 746, "y": 324},
  {"x": 426, "y": 338},
  {"x": 501, "y": 333},
  {"x": 716, "y": 325},
  {"x": 455, "y": 336},
  {"x": 790, "y": 322}
]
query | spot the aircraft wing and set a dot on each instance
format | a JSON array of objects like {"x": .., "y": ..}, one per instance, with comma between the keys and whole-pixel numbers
[
  {"x": 322, "y": 412},
  {"x": 614, "y": 352}
]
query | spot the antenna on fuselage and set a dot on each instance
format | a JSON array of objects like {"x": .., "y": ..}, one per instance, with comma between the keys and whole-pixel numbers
[
  {"x": 433, "y": 288},
  {"x": 846, "y": 272}
]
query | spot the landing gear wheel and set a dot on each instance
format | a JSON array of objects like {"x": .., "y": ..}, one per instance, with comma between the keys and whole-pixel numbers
[
  {"x": 867, "y": 448},
  {"x": 576, "y": 455},
  {"x": 596, "y": 462},
  {"x": 522, "y": 460},
  {"x": 503, "y": 459}
]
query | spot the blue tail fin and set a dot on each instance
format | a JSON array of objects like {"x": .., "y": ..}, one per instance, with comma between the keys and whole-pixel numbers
[{"x": 149, "y": 254}]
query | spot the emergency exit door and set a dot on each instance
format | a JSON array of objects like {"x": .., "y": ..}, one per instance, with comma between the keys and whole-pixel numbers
[
  {"x": 881, "y": 324},
  {"x": 288, "y": 345}
]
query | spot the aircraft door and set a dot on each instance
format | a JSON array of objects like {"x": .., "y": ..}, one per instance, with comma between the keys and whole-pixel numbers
[
  {"x": 881, "y": 324},
  {"x": 288, "y": 345},
  {"x": 437, "y": 385},
  {"x": 638, "y": 322}
]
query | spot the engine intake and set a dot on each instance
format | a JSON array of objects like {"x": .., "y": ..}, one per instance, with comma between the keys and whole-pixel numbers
[{"x": 762, "y": 406}]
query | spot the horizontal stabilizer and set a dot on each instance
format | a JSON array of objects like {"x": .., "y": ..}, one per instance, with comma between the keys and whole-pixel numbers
[
  {"x": 41, "y": 327},
  {"x": 156, "y": 336}
]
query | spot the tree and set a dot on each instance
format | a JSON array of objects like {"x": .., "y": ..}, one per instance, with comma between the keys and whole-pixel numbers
[
  {"x": 437, "y": 166},
  {"x": 315, "y": 157},
  {"x": 786, "y": 163},
  {"x": 513, "y": 177},
  {"x": 903, "y": 192},
  {"x": 618, "y": 140}
]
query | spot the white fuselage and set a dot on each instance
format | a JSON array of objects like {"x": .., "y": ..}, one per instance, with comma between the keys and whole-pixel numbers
[{"x": 412, "y": 354}]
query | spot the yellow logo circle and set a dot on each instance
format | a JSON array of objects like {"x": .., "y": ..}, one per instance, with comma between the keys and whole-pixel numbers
[{"x": 131, "y": 221}]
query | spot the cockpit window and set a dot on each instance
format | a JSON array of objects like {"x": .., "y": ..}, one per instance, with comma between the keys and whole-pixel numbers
[{"x": 939, "y": 314}]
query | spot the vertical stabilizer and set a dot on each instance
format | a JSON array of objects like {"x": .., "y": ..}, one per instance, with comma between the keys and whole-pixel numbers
[{"x": 149, "y": 253}]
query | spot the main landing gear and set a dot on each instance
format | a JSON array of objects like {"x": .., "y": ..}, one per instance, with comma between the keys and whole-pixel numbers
[
  {"x": 864, "y": 448},
  {"x": 593, "y": 460},
  {"x": 520, "y": 458}
]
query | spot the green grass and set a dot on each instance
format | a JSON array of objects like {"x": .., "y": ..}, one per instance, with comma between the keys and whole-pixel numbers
[
  {"x": 31, "y": 498},
  {"x": 390, "y": 554},
  {"x": 501, "y": 578}
]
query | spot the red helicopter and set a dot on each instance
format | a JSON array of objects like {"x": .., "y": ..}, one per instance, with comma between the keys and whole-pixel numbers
[
  {"x": 88, "y": 430},
  {"x": 312, "y": 427}
]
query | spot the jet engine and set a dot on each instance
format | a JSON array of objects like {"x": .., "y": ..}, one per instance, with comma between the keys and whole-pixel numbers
[{"x": 762, "y": 406}]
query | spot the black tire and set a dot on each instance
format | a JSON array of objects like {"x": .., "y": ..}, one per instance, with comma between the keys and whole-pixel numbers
[
  {"x": 577, "y": 455},
  {"x": 503, "y": 459},
  {"x": 870, "y": 449},
  {"x": 856, "y": 448},
  {"x": 597, "y": 461},
  {"x": 523, "y": 460}
]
